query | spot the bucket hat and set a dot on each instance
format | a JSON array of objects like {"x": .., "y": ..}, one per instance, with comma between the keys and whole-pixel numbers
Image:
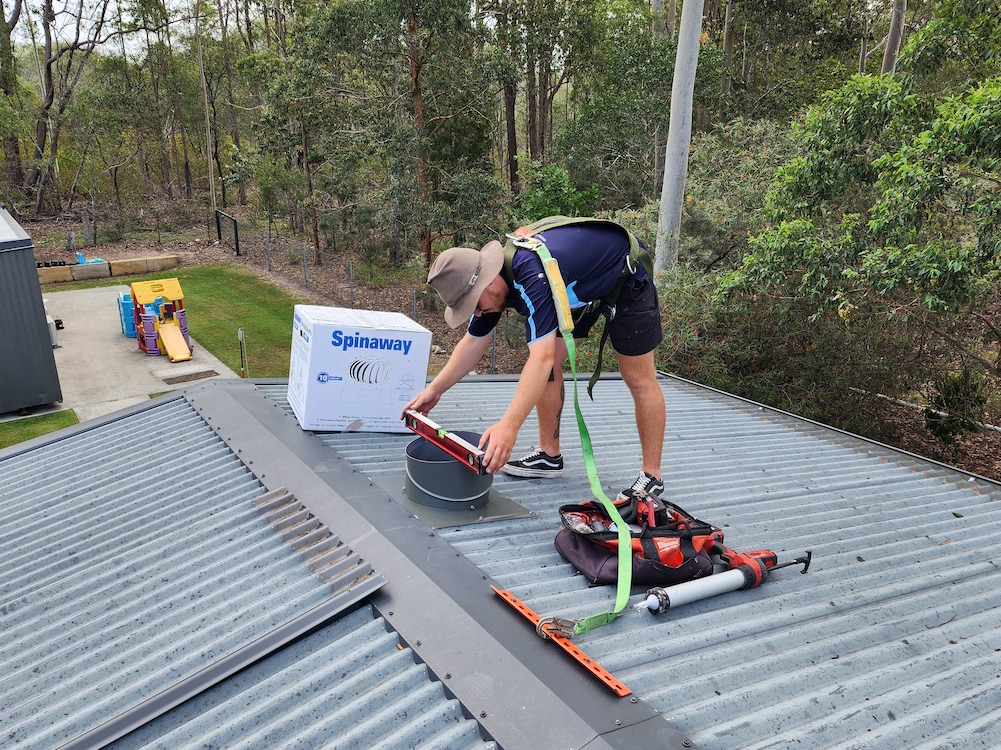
[{"x": 460, "y": 274}]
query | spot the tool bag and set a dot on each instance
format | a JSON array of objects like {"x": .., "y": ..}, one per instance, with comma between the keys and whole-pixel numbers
[{"x": 668, "y": 544}]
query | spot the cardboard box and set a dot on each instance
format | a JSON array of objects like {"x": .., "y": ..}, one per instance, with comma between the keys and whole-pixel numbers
[{"x": 355, "y": 370}]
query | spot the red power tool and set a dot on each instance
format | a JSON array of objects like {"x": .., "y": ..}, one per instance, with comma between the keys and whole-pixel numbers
[{"x": 747, "y": 570}]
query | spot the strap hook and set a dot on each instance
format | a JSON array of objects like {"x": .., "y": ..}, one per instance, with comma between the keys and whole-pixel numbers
[{"x": 558, "y": 625}]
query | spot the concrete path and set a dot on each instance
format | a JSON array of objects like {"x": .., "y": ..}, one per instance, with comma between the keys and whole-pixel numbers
[{"x": 100, "y": 369}]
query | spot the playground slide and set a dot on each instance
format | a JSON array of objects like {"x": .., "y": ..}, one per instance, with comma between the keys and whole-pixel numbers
[{"x": 174, "y": 343}]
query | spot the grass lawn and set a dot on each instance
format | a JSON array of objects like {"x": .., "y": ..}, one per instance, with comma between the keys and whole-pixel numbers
[
  {"x": 18, "y": 430},
  {"x": 220, "y": 299}
]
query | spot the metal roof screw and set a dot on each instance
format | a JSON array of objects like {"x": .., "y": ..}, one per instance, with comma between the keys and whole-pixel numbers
[
  {"x": 483, "y": 714},
  {"x": 687, "y": 743},
  {"x": 417, "y": 643},
  {"x": 633, "y": 699},
  {"x": 390, "y": 613},
  {"x": 618, "y": 721},
  {"x": 448, "y": 675}
]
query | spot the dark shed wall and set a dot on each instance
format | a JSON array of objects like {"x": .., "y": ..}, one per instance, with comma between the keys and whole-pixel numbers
[{"x": 28, "y": 375}]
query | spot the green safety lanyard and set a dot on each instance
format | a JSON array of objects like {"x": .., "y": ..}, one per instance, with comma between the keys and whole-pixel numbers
[{"x": 565, "y": 320}]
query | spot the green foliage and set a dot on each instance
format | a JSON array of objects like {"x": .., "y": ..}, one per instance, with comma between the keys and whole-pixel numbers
[
  {"x": 550, "y": 192},
  {"x": 623, "y": 111},
  {"x": 956, "y": 406},
  {"x": 882, "y": 252},
  {"x": 924, "y": 229},
  {"x": 279, "y": 188},
  {"x": 774, "y": 350},
  {"x": 960, "y": 44},
  {"x": 730, "y": 169},
  {"x": 9, "y": 119},
  {"x": 395, "y": 103}
]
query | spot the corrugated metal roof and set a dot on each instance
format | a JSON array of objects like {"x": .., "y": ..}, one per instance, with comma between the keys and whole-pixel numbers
[
  {"x": 892, "y": 639},
  {"x": 349, "y": 685},
  {"x": 143, "y": 562}
]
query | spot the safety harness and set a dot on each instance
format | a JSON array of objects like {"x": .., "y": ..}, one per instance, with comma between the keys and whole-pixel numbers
[{"x": 526, "y": 238}]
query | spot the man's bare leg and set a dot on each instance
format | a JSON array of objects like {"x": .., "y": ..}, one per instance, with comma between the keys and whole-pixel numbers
[
  {"x": 549, "y": 410},
  {"x": 640, "y": 375}
]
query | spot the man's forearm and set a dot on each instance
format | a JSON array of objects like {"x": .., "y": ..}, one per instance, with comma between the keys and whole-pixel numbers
[
  {"x": 531, "y": 384},
  {"x": 464, "y": 357}
]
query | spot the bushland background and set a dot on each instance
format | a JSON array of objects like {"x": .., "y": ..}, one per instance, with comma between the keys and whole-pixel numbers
[{"x": 840, "y": 234}]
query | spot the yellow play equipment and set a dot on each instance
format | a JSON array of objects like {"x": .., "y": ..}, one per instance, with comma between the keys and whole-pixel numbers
[{"x": 160, "y": 319}]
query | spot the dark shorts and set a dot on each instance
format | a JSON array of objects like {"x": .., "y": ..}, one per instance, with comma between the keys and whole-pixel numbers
[{"x": 635, "y": 329}]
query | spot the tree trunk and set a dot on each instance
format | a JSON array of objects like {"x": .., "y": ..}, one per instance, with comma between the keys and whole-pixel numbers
[
  {"x": 8, "y": 84},
  {"x": 727, "y": 77},
  {"x": 894, "y": 36},
  {"x": 512, "y": 138},
  {"x": 423, "y": 182},
  {"x": 309, "y": 192},
  {"x": 205, "y": 104},
  {"x": 234, "y": 130},
  {"x": 532, "y": 97},
  {"x": 678, "y": 136},
  {"x": 215, "y": 151},
  {"x": 659, "y": 22},
  {"x": 70, "y": 70},
  {"x": 506, "y": 30},
  {"x": 48, "y": 97},
  {"x": 864, "y": 48},
  {"x": 545, "y": 105},
  {"x": 672, "y": 16},
  {"x": 48, "y": 176}
]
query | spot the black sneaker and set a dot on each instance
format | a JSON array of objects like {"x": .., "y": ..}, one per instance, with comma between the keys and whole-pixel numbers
[
  {"x": 644, "y": 485},
  {"x": 538, "y": 464}
]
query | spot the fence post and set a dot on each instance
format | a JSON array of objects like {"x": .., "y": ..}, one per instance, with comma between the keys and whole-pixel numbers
[
  {"x": 267, "y": 245},
  {"x": 219, "y": 215},
  {"x": 244, "y": 363}
]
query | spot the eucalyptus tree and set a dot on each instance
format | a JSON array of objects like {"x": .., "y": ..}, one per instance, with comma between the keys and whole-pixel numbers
[
  {"x": 411, "y": 83},
  {"x": 69, "y": 39},
  {"x": 679, "y": 135},
  {"x": 506, "y": 16},
  {"x": 615, "y": 139},
  {"x": 9, "y": 89}
]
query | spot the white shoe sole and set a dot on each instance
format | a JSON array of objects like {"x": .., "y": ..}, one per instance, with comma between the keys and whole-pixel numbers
[{"x": 517, "y": 471}]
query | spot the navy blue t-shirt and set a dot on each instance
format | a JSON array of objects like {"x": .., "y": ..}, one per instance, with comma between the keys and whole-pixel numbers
[{"x": 590, "y": 257}]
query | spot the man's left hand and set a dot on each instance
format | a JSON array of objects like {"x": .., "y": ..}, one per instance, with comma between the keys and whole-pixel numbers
[{"x": 499, "y": 441}]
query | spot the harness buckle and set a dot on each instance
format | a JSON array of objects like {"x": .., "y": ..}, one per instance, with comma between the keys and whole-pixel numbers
[
  {"x": 629, "y": 265},
  {"x": 559, "y": 626},
  {"x": 527, "y": 242}
]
